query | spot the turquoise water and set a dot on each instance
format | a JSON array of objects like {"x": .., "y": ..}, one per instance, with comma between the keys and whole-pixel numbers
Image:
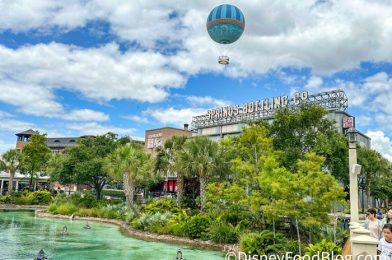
[{"x": 22, "y": 235}]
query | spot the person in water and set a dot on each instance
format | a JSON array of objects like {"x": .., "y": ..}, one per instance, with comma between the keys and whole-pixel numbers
[
  {"x": 41, "y": 255},
  {"x": 87, "y": 226},
  {"x": 65, "y": 230}
]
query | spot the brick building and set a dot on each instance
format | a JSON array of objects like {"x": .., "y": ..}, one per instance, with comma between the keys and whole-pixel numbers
[{"x": 157, "y": 137}]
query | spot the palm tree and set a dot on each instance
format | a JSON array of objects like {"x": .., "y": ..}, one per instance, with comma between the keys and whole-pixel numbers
[
  {"x": 10, "y": 162},
  {"x": 200, "y": 157},
  {"x": 131, "y": 164},
  {"x": 166, "y": 162}
]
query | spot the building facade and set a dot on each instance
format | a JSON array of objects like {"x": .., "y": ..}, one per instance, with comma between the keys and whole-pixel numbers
[
  {"x": 155, "y": 138},
  {"x": 56, "y": 145}
]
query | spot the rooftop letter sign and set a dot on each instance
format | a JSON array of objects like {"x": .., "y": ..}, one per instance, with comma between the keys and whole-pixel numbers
[{"x": 265, "y": 108}]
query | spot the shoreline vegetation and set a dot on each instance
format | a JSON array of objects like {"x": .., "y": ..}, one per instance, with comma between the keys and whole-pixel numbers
[{"x": 41, "y": 212}]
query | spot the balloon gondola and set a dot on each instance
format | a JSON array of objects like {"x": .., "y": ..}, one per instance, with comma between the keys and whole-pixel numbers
[{"x": 225, "y": 25}]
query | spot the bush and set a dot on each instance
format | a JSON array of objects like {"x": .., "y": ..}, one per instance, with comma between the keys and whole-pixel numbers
[
  {"x": 66, "y": 209},
  {"x": 88, "y": 200},
  {"x": 176, "y": 224},
  {"x": 244, "y": 219},
  {"x": 114, "y": 193},
  {"x": 5, "y": 199},
  {"x": 323, "y": 246},
  {"x": 197, "y": 227},
  {"x": 61, "y": 198},
  {"x": 106, "y": 212},
  {"x": 52, "y": 208},
  {"x": 263, "y": 243},
  {"x": 83, "y": 212},
  {"x": 152, "y": 222},
  {"x": 161, "y": 205},
  {"x": 224, "y": 233},
  {"x": 40, "y": 197},
  {"x": 24, "y": 200}
]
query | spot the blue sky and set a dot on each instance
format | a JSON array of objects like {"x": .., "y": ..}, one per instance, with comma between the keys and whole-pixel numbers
[{"x": 78, "y": 67}]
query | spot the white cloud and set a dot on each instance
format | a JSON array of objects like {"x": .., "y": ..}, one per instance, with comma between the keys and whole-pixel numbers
[
  {"x": 93, "y": 128},
  {"x": 381, "y": 143},
  {"x": 177, "y": 117},
  {"x": 86, "y": 115},
  {"x": 363, "y": 120},
  {"x": 137, "y": 119},
  {"x": 314, "y": 83},
  {"x": 326, "y": 37},
  {"x": 24, "y": 15},
  {"x": 10, "y": 124},
  {"x": 29, "y": 98},
  {"x": 207, "y": 100},
  {"x": 111, "y": 74},
  {"x": 5, "y": 146}
]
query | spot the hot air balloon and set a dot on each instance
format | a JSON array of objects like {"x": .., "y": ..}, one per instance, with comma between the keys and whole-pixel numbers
[{"x": 225, "y": 25}]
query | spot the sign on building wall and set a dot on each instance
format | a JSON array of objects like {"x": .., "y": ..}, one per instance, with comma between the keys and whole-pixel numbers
[
  {"x": 347, "y": 123},
  {"x": 154, "y": 140}
]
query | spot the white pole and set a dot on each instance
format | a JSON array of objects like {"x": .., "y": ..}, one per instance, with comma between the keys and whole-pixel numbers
[{"x": 352, "y": 158}]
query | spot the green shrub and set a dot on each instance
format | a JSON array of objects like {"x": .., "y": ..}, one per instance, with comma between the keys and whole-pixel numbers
[
  {"x": 152, "y": 222},
  {"x": 197, "y": 227},
  {"x": 52, "y": 208},
  {"x": 23, "y": 200},
  {"x": 5, "y": 199},
  {"x": 83, "y": 212},
  {"x": 244, "y": 219},
  {"x": 176, "y": 223},
  {"x": 263, "y": 243},
  {"x": 323, "y": 246},
  {"x": 224, "y": 233},
  {"x": 88, "y": 200},
  {"x": 61, "y": 198},
  {"x": 161, "y": 205},
  {"x": 40, "y": 197},
  {"x": 66, "y": 209},
  {"x": 114, "y": 193}
]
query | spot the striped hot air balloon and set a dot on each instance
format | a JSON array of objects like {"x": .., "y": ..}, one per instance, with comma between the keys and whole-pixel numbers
[{"x": 225, "y": 24}]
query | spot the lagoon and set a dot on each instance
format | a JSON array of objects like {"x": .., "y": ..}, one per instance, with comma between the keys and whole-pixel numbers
[{"x": 22, "y": 235}]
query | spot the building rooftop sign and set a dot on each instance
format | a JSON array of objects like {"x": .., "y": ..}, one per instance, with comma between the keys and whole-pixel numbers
[{"x": 265, "y": 108}]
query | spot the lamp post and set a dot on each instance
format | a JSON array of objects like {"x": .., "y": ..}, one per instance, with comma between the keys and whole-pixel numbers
[
  {"x": 353, "y": 173},
  {"x": 361, "y": 183}
]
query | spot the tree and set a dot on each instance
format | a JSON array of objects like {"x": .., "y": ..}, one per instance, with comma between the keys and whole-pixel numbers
[
  {"x": 299, "y": 130},
  {"x": 166, "y": 162},
  {"x": 303, "y": 195},
  {"x": 10, "y": 161},
  {"x": 61, "y": 169},
  {"x": 200, "y": 157},
  {"x": 35, "y": 156},
  {"x": 382, "y": 188},
  {"x": 84, "y": 163},
  {"x": 374, "y": 169},
  {"x": 253, "y": 145},
  {"x": 131, "y": 164}
]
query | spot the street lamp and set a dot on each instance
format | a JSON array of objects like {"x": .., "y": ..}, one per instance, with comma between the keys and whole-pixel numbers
[
  {"x": 354, "y": 169},
  {"x": 352, "y": 135}
]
